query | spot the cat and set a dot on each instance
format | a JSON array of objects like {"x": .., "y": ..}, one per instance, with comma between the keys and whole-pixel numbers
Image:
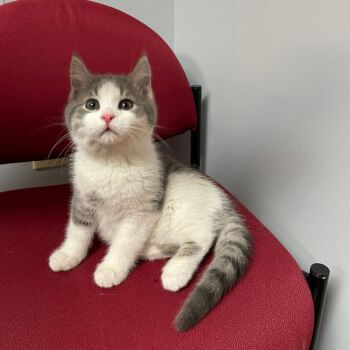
[{"x": 141, "y": 202}]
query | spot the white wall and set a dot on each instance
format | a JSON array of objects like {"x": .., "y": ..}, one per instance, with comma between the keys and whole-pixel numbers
[
  {"x": 276, "y": 78},
  {"x": 157, "y": 14}
]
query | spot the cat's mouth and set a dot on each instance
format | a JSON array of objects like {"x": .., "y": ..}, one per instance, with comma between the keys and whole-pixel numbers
[
  {"x": 108, "y": 131},
  {"x": 108, "y": 136}
]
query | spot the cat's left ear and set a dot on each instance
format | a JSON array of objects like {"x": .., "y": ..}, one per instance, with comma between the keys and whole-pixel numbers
[
  {"x": 141, "y": 77},
  {"x": 79, "y": 74}
]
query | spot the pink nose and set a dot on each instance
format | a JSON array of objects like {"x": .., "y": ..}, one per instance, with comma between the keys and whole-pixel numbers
[{"x": 108, "y": 118}]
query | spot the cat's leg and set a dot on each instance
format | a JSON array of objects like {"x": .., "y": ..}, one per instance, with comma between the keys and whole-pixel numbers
[
  {"x": 124, "y": 250},
  {"x": 74, "y": 248},
  {"x": 178, "y": 271}
]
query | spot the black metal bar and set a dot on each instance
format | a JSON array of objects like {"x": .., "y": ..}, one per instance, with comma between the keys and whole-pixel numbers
[
  {"x": 317, "y": 280},
  {"x": 196, "y": 134}
]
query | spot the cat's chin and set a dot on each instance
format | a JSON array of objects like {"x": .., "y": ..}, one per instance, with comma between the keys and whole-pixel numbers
[
  {"x": 109, "y": 137},
  {"x": 103, "y": 142}
]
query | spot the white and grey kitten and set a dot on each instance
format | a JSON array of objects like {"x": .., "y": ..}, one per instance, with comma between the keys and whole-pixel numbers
[{"x": 143, "y": 204}]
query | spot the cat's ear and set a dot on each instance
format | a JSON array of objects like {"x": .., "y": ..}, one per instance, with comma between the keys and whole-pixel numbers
[
  {"x": 141, "y": 77},
  {"x": 79, "y": 74}
]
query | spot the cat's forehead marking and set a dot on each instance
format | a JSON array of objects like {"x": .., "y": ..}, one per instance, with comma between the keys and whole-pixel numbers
[{"x": 109, "y": 92}]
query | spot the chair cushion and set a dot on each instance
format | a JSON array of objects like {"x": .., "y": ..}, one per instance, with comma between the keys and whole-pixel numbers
[{"x": 270, "y": 308}]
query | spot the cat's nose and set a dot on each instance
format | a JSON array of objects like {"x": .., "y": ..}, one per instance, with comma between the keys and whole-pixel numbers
[{"x": 108, "y": 118}]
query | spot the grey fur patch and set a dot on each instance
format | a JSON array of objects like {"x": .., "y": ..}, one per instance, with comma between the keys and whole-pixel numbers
[
  {"x": 80, "y": 218},
  {"x": 93, "y": 198},
  {"x": 168, "y": 249},
  {"x": 205, "y": 295},
  {"x": 169, "y": 166},
  {"x": 192, "y": 311},
  {"x": 81, "y": 214},
  {"x": 229, "y": 259},
  {"x": 219, "y": 277},
  {"x": 245, "y": 249},
  {"x": 188, "y": 249},
  {"x": 144, "y": 105}
]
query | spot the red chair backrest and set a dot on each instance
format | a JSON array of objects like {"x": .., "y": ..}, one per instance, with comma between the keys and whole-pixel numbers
[{"x": 37, "y": 38}]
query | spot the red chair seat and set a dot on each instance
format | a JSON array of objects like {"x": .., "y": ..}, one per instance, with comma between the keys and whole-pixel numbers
[{"x": 270, "y": 308}]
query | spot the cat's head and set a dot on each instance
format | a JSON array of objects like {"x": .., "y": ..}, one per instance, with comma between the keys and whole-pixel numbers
[{"x": 107, "y": 111}]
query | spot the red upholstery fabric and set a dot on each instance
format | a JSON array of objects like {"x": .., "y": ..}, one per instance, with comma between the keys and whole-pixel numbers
[
  {"x": 271, "y": 308},
  {"x": 37, "y": 38}
]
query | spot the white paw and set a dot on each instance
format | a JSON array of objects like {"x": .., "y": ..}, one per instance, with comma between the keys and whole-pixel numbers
[
  {"x": 175, "y": 277},
  {"x": 60, "y": 261},
  {"x": 107, "y": 277}
]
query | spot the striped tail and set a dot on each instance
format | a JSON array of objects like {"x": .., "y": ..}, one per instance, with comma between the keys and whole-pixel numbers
[{"x": 231, "y": 256}]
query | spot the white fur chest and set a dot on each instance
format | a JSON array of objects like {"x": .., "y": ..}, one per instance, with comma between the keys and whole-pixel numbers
[{"x": 119, "y": 187}]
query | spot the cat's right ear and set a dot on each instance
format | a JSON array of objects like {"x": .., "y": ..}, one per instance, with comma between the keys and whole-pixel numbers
[{"x": 79, "y": 74}]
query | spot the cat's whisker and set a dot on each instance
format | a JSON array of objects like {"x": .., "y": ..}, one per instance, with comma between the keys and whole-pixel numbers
[
  {"x": 162, "y": 127},
  {"x": 135, "y": 128},
  {"x": 50, "y": 126},
  {"x": 69, "y": 149},
  {"x": 64, "y": 157},
  {"x": 61, "y": 139},
  {"x": 66, "y": 149}
]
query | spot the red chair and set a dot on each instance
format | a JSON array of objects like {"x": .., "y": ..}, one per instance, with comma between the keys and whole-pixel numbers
[{"x": 270, "y": 308}]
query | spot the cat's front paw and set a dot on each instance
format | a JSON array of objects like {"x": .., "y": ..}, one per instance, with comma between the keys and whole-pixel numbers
[
  {"x": 175, "y": 276},
  {"x": 107, "y": 277},
  {"x": 61, "y": 261}
]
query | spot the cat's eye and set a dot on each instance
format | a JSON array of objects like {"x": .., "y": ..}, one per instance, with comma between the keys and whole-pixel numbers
[
  {"x": 92, "y": 104},
  {"x": 126, "y": 104}
]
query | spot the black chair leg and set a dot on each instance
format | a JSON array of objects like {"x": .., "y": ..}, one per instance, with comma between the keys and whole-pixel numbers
[
  {"x": 196, "y": 134},
  {"x": 317, "y": 279}
]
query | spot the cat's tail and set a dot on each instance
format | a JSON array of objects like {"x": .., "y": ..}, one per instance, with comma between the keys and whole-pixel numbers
[{"x": 231, "y": 256}]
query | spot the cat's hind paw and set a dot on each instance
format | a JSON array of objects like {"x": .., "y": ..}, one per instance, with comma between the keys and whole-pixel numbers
[{"x": 175, "y": 277}]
